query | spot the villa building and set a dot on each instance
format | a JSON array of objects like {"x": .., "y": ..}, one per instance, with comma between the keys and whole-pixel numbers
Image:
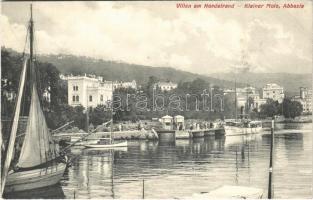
[
  {"x": 165, "y": 86},
  {"x": 273, "y": 91},
  {"x": 88, "y": 91},
  {"x": 92, "y": 91},
  {"x": 305, "y": 98}
]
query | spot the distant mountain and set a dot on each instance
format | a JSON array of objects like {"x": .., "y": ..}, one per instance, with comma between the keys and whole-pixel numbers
[
  {"x": 112, "y": 70},
  {"x": 290, "y": 82}
]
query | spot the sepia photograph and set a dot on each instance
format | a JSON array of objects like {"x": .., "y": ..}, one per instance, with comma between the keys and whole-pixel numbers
[{"x": 156, "y": 99}]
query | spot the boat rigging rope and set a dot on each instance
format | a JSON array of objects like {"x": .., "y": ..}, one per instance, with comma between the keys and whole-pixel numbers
[{"x": 26, "y": 43}]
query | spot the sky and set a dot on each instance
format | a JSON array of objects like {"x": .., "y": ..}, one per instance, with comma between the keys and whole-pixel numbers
[{"x": 158, "y": 34}]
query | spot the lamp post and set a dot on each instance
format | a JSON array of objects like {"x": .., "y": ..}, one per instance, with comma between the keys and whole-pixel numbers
[{"x": 270, "y": 173}]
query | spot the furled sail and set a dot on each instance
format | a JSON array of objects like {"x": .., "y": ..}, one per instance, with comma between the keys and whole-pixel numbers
[{"x": 38, "y": 146}]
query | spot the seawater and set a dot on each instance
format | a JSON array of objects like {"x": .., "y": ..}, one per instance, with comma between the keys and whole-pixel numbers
[{"x": 188, "y": 167}]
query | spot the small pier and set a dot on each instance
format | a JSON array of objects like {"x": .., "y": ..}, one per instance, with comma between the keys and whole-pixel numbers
[
  {"x": 172, "y": 135},
  {"x": 166, "y": 135},
  {"x": 183, "y": 134},
  {"x": 206, "y": 132},
  {"x": 209, "y": 132},
  {"x": 117, "y": 135},
  {"x": 197, "y": 133}
]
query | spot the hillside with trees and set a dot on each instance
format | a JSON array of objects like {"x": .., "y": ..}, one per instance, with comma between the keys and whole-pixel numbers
[
  {"x": 191, "y": 97},
  {"x": 113, "y": 70}
]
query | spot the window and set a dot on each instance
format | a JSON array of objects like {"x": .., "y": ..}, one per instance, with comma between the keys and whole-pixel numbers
[
  {"x": 101, "y": 97},
  {"x": 90, "y": 98},
  {"x": 75, "y": 88},
  {"x": 73, "y": 98},
  {"x": 77, "y": 98}
]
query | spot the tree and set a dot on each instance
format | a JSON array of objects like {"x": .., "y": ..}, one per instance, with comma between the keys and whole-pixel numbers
[
  {"x": 47, "y": 76},
  {"x": 291, "y": 109},
  {"x": 270, "y": 108},
  {"x": 99, "y": 115}
]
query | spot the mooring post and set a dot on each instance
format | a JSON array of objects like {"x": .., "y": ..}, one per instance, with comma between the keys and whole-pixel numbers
[
  {"x": 270, "y": 173},
  {"x": 143, "y": 188},
  {"x": 236, "y": 154}
]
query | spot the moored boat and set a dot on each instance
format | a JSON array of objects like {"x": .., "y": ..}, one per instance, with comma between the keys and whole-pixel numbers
[
  {"x": 102, "y": 144},
  {"x": 38, "y": 163},
  {"x": 35, "y": 178},
  {"x": 242, "y": 127},
  {"x": 78, "y": 141}
]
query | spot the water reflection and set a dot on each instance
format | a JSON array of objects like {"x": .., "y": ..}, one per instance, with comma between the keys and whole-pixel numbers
[
  {"x": 52, "y": 192},
  {"x": 177, "y": 170}
]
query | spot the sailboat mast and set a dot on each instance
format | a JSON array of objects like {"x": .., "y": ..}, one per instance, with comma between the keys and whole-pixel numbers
[
  {"x": 12, "y": 137},
  {"x": 236, "y": 93},
  {"x": 31, "y": 48},
  {"x": 31, "y": 33},
  {"x": 111, "y": 131}
]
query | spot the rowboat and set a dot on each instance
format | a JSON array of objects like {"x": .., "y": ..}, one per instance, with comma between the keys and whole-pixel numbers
[
  {"x": 76, "y": 141},
  {"x": 100, "y": 144}
]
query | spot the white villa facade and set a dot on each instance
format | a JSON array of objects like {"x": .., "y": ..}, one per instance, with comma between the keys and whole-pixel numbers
[
  {"x": 91, "y": 91},
  {"x": 166, "y": 86},
  {"x": 88, "y": 91},
  {"x": 273, "y": 91}
]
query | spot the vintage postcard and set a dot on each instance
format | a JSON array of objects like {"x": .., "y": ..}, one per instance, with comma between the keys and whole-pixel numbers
[{"x": 156, "y": 100}]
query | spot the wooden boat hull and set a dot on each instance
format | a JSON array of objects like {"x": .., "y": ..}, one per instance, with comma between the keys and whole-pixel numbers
[
  {"x": 232, "y": 130},
  {"x": 82, "y": 143},
  {"x": 121, "y": 144},
  {"x": 36, "y": 178}
]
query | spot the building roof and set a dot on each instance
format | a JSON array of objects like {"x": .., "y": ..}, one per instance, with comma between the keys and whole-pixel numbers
[
  {"x": 272, "y": 86},
  {"x": 166, "y": 84},
  {"x": 167, "y": 117}
]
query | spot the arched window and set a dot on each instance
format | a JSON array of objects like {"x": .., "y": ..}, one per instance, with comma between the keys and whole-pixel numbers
[
  {"x": 74, "y": 88},
  {"x": 73, "y": 98},
  {"x": 77, "y": 98},
  {"x": 90, "y": 98},
  {"x": 101, "y": 97}
]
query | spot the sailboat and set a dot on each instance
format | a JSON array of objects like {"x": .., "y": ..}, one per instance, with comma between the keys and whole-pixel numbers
[
  {"x": 108, "y": 142},
  {"x": 39, "y": 163},
  {"x": 242, "y": 126}
]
